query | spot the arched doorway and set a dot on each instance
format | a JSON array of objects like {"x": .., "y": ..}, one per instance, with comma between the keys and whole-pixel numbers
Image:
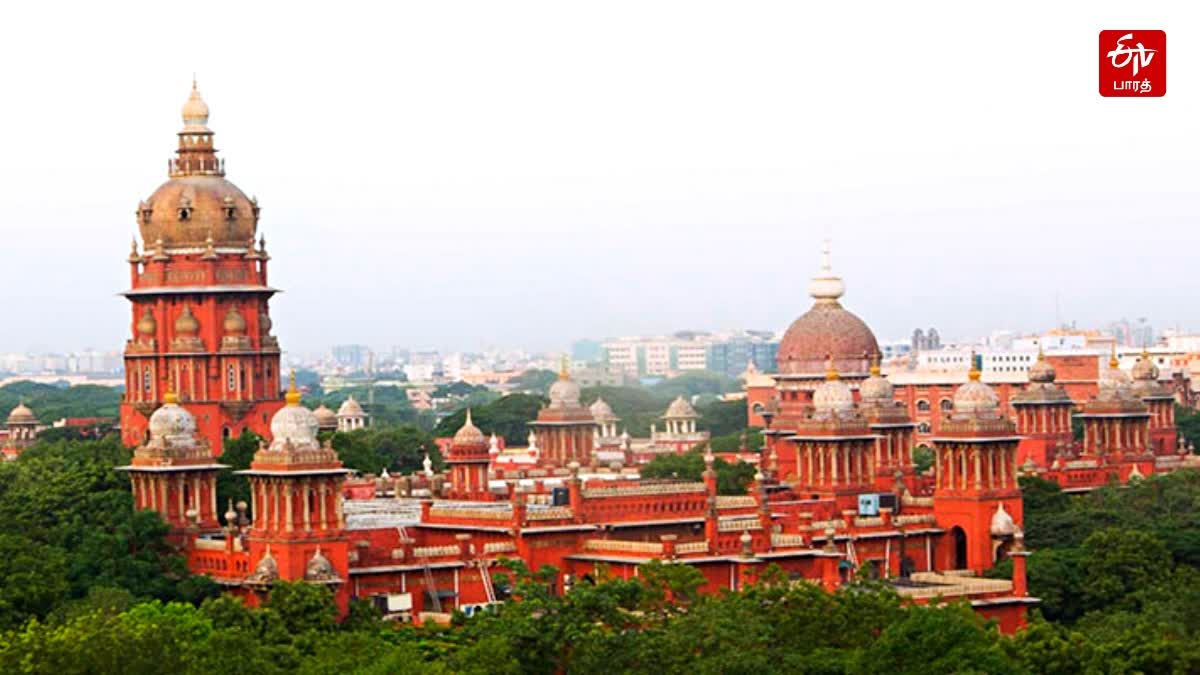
[{"x": 959, "y": 537}]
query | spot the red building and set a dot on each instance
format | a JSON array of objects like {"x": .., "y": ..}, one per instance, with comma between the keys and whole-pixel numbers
[
  {"x": 200, "y": 323},
  {"x": 838, "y": 492}
]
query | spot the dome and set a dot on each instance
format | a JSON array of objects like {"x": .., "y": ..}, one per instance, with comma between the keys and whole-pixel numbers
[
  {"x": 186, "y": 210},
  {"x": 197, "y": 202},
  {"x": 825, "y": 331},
  {"x": 1114, "y": 383},
  {"x": 975, "y": 397},
  {"x": 469, "y": 434},
  {"x": 1144, "y": 369},
  {"x": 1003, "y": 524},
  {"x": 235, "y": 323},
  {"x": 294, "y": 423},
  {"x": 187, "y": 324},
  {"x": 833, "y": 396},
  {"x": 146, "y": 325},
  {"x": 1042, "y": 371},
  {"x": 319, "y": 568},
  {"x": 680, "y": 409},
  {"x": 172, "y": 421},
  {"x": 267, "y": 570},
  {"x": 326, "y": 419},
  {"x": 21, "y": 415},
  {"x": 195, "y": 111},
  {"x": 876, "y": 388},
  {"x": 602, "y": 411},
  {"x": 350, "y": 408}
]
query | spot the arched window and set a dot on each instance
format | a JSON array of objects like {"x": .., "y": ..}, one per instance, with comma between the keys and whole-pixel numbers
[
  {"x": 924, "y": 428},
  {"x": 922, "y": 406},
  {"x": 946, "y": 405}
]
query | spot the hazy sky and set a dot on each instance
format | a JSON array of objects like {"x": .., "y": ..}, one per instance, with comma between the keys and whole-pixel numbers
[{"x": 461, "y": 175}]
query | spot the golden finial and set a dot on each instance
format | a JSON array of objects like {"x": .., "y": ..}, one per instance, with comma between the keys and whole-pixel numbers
[
  {"x": 974, "y": 374},
  {"x": 468, "y": 417},
  {"x": 293, "y": 394},
  {"x": 875, "y": 369},
  {"x": 831, "y": 372},
  {"x": 1112, "y": 360},
  {"x": 563, "y": 373},
  {"x": 1041, "y": 354},
  {"x": 170, "y": 398}
]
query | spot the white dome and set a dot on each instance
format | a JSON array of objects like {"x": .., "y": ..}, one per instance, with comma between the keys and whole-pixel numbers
[
  {"x": 564, "y": 394},
  {"x": 296, "y": 424},
  {"x": 680, "y": 409},
  {"x": 1114, "y": 382},
  {"x": 876, "y": 388},
  {"x": 1002, "y": 523},
  {"x": 172, "y": 421},
  {"x": 469, "y": 434},
  {"x": 833, "y": 396},
  {"x": 975, "y": 397},
  {"x": 350, "y": 408},
  {"x": 602, "y": 411}
]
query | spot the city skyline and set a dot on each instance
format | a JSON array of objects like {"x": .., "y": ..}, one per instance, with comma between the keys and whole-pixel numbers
[{"x": 483, "y": 206}]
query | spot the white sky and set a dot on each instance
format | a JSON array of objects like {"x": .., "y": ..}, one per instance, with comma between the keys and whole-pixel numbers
[{"x": 462, "y": 175}]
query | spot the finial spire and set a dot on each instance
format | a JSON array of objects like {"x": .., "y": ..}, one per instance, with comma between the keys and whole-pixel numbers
[
  {"x": 563, "y": 373},
  {"x": 826, "y": 287},
  {"x": 1112, "y": 360},
  {"x": 875, "y": 369},
  {"x": 293, "y": 394},
  {"x": 826, "y": 257},
  {"x": 974, "y": 374},
  {"x": 831, "y": 372}
]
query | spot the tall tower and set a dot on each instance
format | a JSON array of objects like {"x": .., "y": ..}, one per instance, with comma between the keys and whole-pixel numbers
[
  {"x": 1161, "y": 403},
  {"x": 977, "y": 498},
  {"x": 1116, "y": 424},
  {"x": 298, "y": 530},
  {"x": 1043, "y": 412},
  {"x": 889, "y": 420},
  {"x": 200, "y": 323},
  {"x": 173, "y": 472}
]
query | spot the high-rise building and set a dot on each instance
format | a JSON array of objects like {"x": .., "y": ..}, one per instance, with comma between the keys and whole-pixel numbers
[{"x": 201, "y": 327}]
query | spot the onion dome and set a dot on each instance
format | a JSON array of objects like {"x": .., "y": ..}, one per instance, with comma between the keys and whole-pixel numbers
[
  {"x": 603, "y": 412},
  {"x": 833, "y": 396},
  {"x": 172, "y": 422},
  {"x": 975, "y": 397},
  {"x": 680, "y": 409},
  {"x": 197, "y": 202},
  {"x": 294, "y": 423},
  {"x": 469, "y": 434},
  {"x": 22, "y": 415},
  {"x": 326, "y": 418},
  {"x": 187, "y": 324},
  {"x": 565, "y": 392},
  {"x": 350, "y": 408},
  {"x": 235, "y": 323},
  {"x": 827, "y": 330},
  {"x": 319, "y": 569},
  {"x": 266, "y": 571},
  {"x": 1003, "y": 524},
  {"x": 876, "y": 389},
  {"x": 1144, "y": 369},
  {"x": 1042, "y": 371},
  {"x": 147, "y": 326}
]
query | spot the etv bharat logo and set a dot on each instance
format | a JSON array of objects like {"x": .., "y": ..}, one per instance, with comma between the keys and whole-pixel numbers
[{"x": 1133, "y": 63}]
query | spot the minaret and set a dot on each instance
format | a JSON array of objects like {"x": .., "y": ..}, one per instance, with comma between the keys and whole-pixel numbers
[
  {"x": 565, "y": 429},
  {"x": 468, "y": 460},
  {"x": 199, "y": 294},
  {"x": 1043, "y": 413},
  {"x": 173, "y": 472},
  {"x": 298, "y": 529},
  {"x": 1161, "y": 403},
  {"x": 976, "y": 495},
  {"x": 889, "y": 420},
  {"x": 22, "y": 431},
  {"x": 1116, "y": 423},
  {"x": 832, "y": 453}
]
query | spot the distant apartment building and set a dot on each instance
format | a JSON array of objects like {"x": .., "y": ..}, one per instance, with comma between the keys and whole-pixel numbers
[
  {"x": 352, "y": 357},
  {"x": 689, "y": 352}
]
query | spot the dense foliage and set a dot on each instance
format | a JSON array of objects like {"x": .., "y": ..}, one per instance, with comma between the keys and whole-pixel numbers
[
  {"x": 505, "y": 417},
  {"x": 69, "y": 535},
  {"x": 732, "y": 479},
  {"x": 50, "y": 402}
]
